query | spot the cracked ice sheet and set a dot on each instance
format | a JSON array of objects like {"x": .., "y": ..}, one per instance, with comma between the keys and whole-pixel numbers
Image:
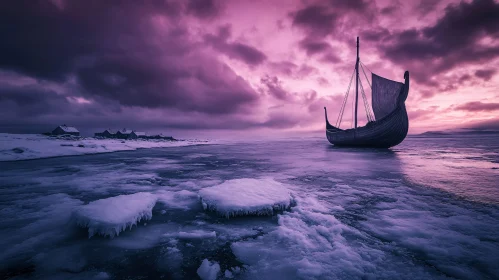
[
  {"x": 110, "y": 216},
  {"x": 43, "y": 218},
  {"x": 311, "y": 244},
  {"x": 246, "y": 197}
]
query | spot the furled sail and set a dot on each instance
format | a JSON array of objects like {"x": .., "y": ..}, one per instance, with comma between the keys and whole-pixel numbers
[{"x": 385, "y": 95}]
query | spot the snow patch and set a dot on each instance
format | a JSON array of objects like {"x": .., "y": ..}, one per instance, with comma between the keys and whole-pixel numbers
[
  {"x": 110, "y": 216},
  {"x": 246, "y": 197},
  {"x": 31, "y": 146},
  {"x": 208, "y": 270}
]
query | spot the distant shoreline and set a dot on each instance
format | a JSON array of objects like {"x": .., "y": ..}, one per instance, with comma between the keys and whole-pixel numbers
[
  {"x": 455, "y": 133},
  {"x": 20, "y": 147}
]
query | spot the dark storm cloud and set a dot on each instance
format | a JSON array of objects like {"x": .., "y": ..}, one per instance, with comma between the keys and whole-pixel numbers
[
  {"x": 274, "y": 87},
  {"x": 330, "y": 58},
  {"x": 235, "y": 50},
  {"x": 289, "y": 69},
  {"x": 477, "y": 106},
  {"x": 204, "y": 8},
  {"x": 452, "y": 41},
  {"x": 312, "y": 46},
  {"x": 204, "y": 86},
  {"x": 111, "y": 50},
  {"x": 426, "y": 6},
  {"x": 31, "y": 102},
  {"x": 485, "y": 74},
  {"x": 358, "y": 6},
  {"x": 315, "y": 19},
  {"x": 375, "y": 35},
  {"x": 322, "y": 19},
  {"x": 283, "y": 67},
  {"x": 464, "y": 78},
  {"x": 43, "y": 40},
  {"x": 329, "y": 18},
  {"x": 388, "y": 10}
]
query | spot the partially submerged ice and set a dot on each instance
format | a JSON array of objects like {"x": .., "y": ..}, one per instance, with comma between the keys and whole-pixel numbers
[
  {"x": 246, "y": 197},
  {"x": 208, "y": 270},
  {"x": 194, "y": 234},
  {"x": 110, "y": 216}
]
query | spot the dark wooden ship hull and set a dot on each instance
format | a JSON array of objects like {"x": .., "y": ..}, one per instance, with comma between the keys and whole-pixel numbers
[{"x": 385, "y": 133}]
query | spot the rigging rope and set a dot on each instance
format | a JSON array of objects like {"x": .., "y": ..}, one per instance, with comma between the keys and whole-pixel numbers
[
  {"x": 366, "y": 103},
  {"x": 369, "y": 113},
  {"x": 342, "y": 110},
  {"x": 366, "y": 66},
  {"x": 367, "y": 79},
  {"x": 365, "y": 74}
]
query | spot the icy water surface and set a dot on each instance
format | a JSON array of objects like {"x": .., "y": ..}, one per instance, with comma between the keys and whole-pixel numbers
[{"x": 425, "y": 209}]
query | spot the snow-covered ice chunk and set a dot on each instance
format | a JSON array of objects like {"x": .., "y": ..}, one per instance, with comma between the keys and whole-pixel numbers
[
  {"x": 246, "y": 197},
  {"x": 208, "y": 270},
  {"x": 110, "y": 216}
]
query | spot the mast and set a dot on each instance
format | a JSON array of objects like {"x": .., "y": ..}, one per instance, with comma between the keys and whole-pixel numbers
[{"x": 357, "y": 83}]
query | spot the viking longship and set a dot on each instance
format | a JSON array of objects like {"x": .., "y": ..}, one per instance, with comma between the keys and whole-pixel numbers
[{"x": 388, "y": 122}]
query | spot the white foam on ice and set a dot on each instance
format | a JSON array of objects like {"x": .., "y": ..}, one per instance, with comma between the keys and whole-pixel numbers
[
  {"x": 143, "y": 237},
  {"x": 246, "y": 197},
  {"x": 31, "y": 146},
  {"x": 171, "y": 259},
  {"x": 311, "y": 244},
  {"x": 193, "y": 234},
  {"x": 44, "y": 224},
  {"x": 208, "y": 270},
  {"x": 110, "y": 216},
  {"x": 445, "y": 235},
  {"x": 183, "y": 199}
]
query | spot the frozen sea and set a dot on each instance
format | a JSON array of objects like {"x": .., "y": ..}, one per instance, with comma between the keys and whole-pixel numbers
[{"x": 275, "y": 209}]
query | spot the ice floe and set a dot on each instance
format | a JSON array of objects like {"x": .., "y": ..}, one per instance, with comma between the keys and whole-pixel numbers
[
  {"x": 31, "y": 146},
  {"x": 110, "y": 216},
  {"x": 246, "y": 197},
  {"x": 208, "y": 270}
]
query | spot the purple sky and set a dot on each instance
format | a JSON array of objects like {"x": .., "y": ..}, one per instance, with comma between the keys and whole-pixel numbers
[{"x": 241, "y": 65}]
